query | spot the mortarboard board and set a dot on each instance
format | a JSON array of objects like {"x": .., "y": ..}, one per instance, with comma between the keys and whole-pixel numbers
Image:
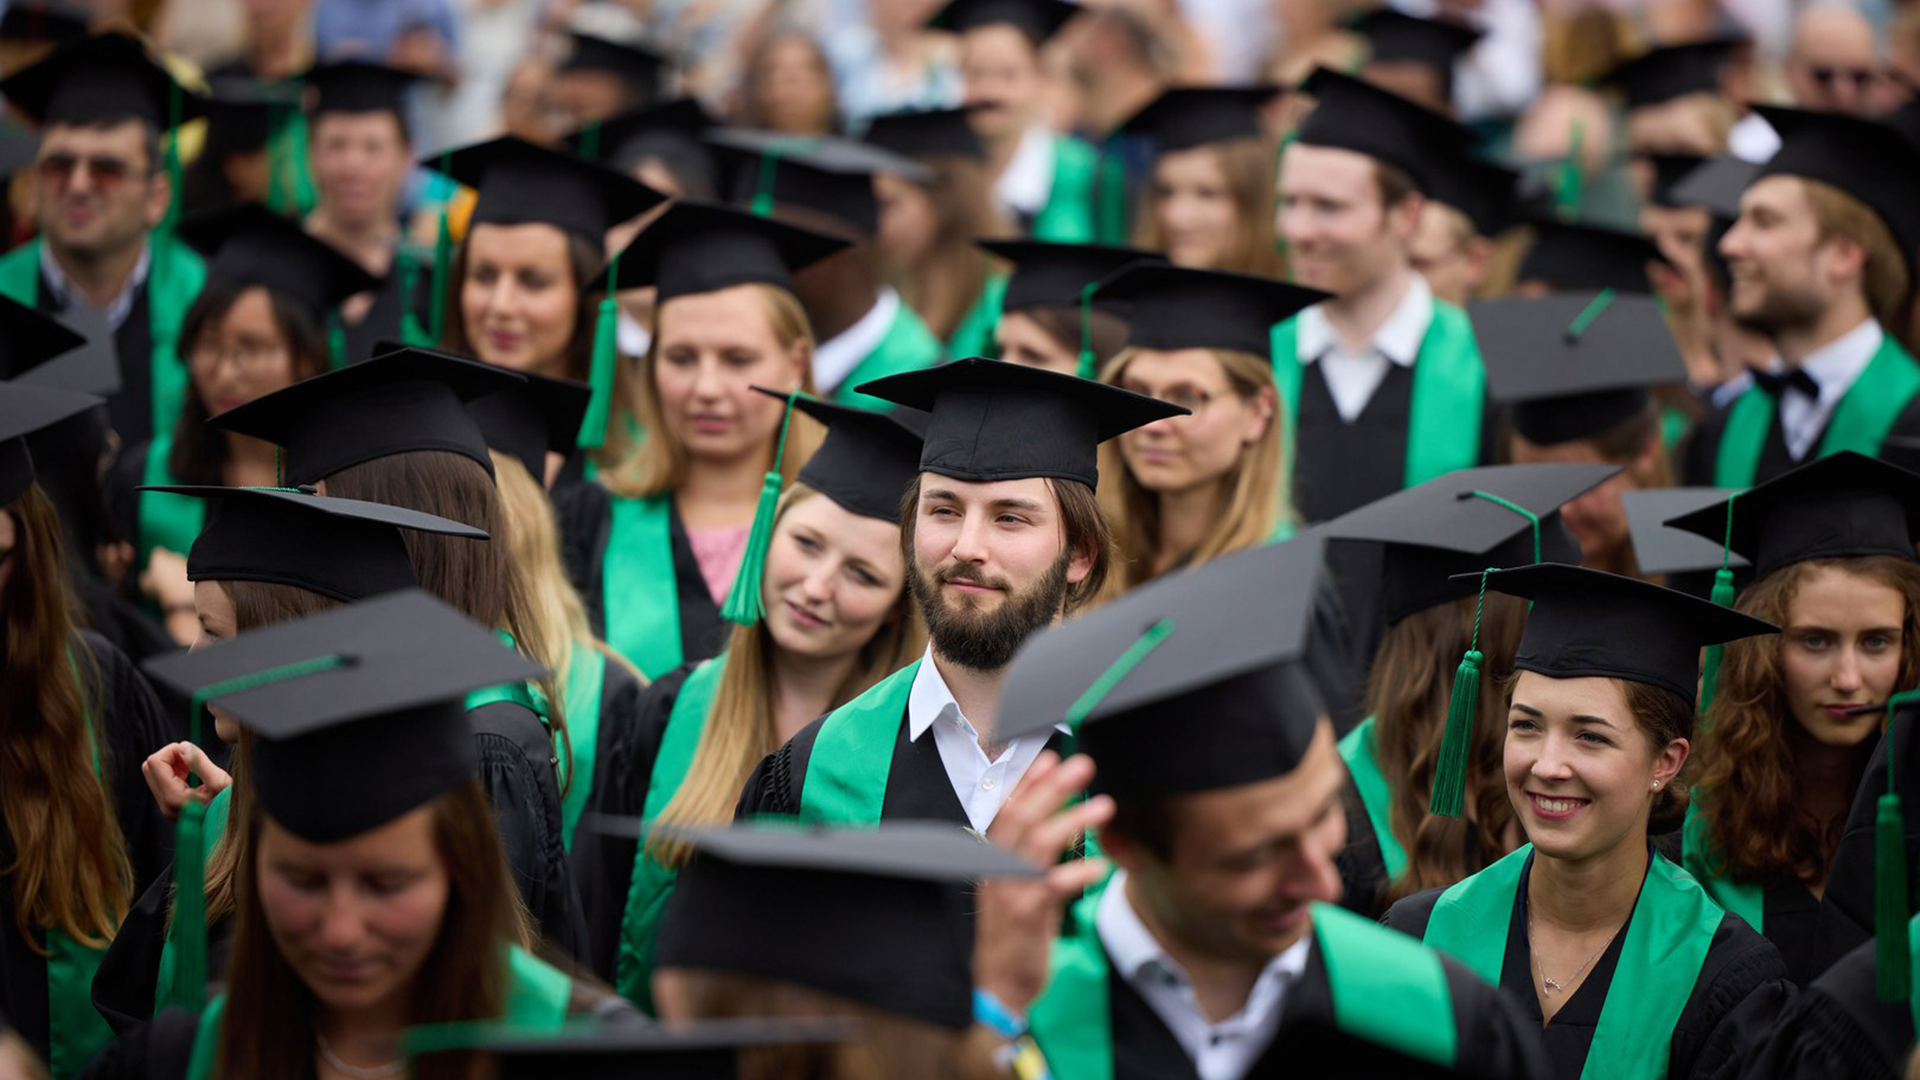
[
  {"x": 1659, "y": 548},
  {"x": 44, "y": 21},
  {"x": 1670, "y": 71},
  {"x": 1668, "y": 171},
  {"x": 518, "y": 183},
  {"x": 1844, "y": 505},
  {"x": 930, "y": 131},
  {"x": 1038, "y": 19},
  {"x": 539, "y": 417},
  {"x": 634, "y": 62},
  {"x": 685, "y": 1050},
  {"x": 250, "y": 245},
  {"x": 880, "y": 907},
  {"x": 867, "y": 460},
  {"x": 1588, "y": 623},
  {"x": 359, "y": 86},
  {"x": 102, "y": 76},
  {"x": 824, "y": 174},
  {"x": 1055, "y": 275},
  {"x": 1184, "y": 117},
  {"x": 1185, "y": 684},
  {"x": 344, "y": 549},
  {"x": 1870, "y": 161},
  {"x": 1440, "y": 528},
  {"x": 999, "y": 421},
  {"x": 1573, "y": 365},
  {"x": 396, "y": 403},
  {"x": 1177, "y": 307},
  {"x": 1483, "y": 191},
  {"x": 1394, "y": 36},
  {"x": 672, "y": 128},
  {"x": 1353, "y": 114},
  {"x": 29, "y": 339},
  {"x": 1569, "y": 255},
  {"x": 24, "y": 410},
  {"x": 240, "y": 112},
  {"x": 697, "y": 247},
  {"x": 1717, "y": 184}
]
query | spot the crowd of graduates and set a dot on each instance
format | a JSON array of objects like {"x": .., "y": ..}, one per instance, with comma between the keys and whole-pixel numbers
[{"x": 1398, "y": 570}]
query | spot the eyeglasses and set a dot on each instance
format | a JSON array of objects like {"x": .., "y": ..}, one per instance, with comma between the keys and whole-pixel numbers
[
  {"x": 1861, "y": 78},
  {"x": 249, "y": 355},
  {"x": 106, "y": 173}
]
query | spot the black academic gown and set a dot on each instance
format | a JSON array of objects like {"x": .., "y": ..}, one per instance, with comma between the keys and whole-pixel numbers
[
  {"x": 1902, "y": 446},
  {"x": 1844, "y": 918},
  {"x": 130, "y": 410},
  {"x": 632, "y": 720},
  {"x": 1741, "y": 985},
  {"x": 133, "y": 727},
  {"x": 585, "y": 515},
  {"x": 1836, "y": 1029}
]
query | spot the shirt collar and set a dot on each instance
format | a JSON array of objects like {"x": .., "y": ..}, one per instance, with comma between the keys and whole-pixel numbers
[
  {"x": 1027, "y": 180},
  {"x": 1839, "y": 362},
  {"x": 1134, "y": 950},
  {"x": 930, "y": 700},
  {"x": 835, "y": 358},
  {"x": 1398, "y": 338},
  {"x": 60, "y": 287}
]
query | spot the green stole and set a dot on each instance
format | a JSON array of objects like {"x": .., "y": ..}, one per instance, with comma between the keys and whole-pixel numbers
[
  {"x": 652, "y": 882},
  {"x": 1070, "y": 215},
  {"x": 638, "y": 586},
  {"x": 175, "y": 276},
  {"x": 216, "y": 827},
  {"x": 1360, "y": 749},
  {"x": 907, "y": 346},
  {"x": 1449, "y": 393},
  {"x": 1699, "y": 853},
  {"x": 1668, "y": 935},
  {"x": 846, "y": 781},
  {"x": 1386, "y": 989},
  {"x": 75, "y": 1029},
  {"x": 974, "y": 335},
  {"x": 586, "y": 677},
  {"x": 166, "y": 521},
  {"x": 537, "y": 1000},
  {"x": 1860, "y": 422}
]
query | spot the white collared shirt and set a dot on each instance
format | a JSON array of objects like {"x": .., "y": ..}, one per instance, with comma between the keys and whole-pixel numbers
[
  {"x": 835, "y": 358},
  {"x": 1026, "y": 183},
  {"x": 981, "y": 785},
  {"x": 1222, "y": 1051},
  {"x": 1834, "y": 366},
  {"x": 60, "y": 287},
  {"x": 1351, "y": 376}
]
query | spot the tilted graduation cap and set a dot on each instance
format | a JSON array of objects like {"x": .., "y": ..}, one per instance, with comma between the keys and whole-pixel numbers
[
  {"x": 685, "y": 1050},
  {"x": 24, "y": 410},
  {"x": 1660, "y": 548},
  {"x": 1185, "y": 684},
  {"x": 1177, "y": 307},
  {"x": 400, "y": 402},
  {"x": 880, "y": 907},
  {"x": 1353, "y": 114},
  {"x": 1486, "y": 192},
  {"x": 343, "y": 549},
  {"x": 1038, "y": 19},
  {"x": 1717, "y": 184},
  {"x": 44, "y": 21},
  {"x": 538, "y": 417},
  {"x": 637, "y": 63},
  {"x": 1057, "y": 275},
  {"x": 1844, "y": 505},
  {"x": 1464, "y": 522},
  {"x": 1184, "y": 117},
  {"x": 519, "y": 183},
  {"x": 998, "y": 421},
  {"x": 867, "y": 460},
  {"x": 248, "y": 245},
  {"x": 825, "y": 174},
  {"x": 696, "y": 247},
  {"x": 1394, "y": 36},
  {"x": 1670, "y": 71},
  {"x": 930, "y": 131},
  {"x": 1871, "y": 161},
  {"x": 1570, "y": 255},
  {"x": 105, "y": 75},
  {"x": 359, "y": 86},
  {"x": 1574, "y": 365}
]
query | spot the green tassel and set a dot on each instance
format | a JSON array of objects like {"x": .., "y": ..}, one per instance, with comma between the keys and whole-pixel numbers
[
  {"x": 1578, "y": 327},
  {"x": 1567, "y": 187},
  {"x": 744, "y": 604},
  {"x": 175, "y": 173},
  {"x": 1097, "y": 691},
  {"x": 189, "y": 929},
  {"x": 762, "y": 204},
  {"x": 411, "y": 331},
  {"x": 1710, "y": 661},
  {"x": 1892, "y": 977},
  {"x": 437, "y": 281},
  {"x": 1456, "y": 743},
  {"x": 1089, "y": 364},
  {"x": 336, "y": 340},
  {"x": 590, "y": 141}
]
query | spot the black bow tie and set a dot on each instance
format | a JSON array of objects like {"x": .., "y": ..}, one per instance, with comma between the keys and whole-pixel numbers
[{"x": 1776, "y": 383}]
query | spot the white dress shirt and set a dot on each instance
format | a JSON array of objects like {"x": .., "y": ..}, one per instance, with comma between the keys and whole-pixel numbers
[
  {"x": 61, "y": 289},
  {"x": 1222, "y": 1051},
  {"x": 1353, "y": 376},
  {"x": 835, "y": 358},
  {"x": 1834, "y": 366},
  {"x": 1027, "y": 181},
  {"x": 982, "y": 785}
]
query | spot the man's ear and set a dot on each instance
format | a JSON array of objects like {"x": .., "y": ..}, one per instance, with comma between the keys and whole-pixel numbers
[{"x": 159, "y": 196}]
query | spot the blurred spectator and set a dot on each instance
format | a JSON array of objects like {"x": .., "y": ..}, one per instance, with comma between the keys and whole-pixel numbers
[
  {"x": 1833, "y": 62},
  {"x": 1232, "y": 36},
  {"x": 276, "y": 40},
  {"x": 1500, "y": 74},
  {"x": 1901, "y": 81},
  {"x": 525, "y": 109},
  {"x": 415, "y": 35},
  {"x": 788, "y": 87},
  {"x": 1119, "y": 61},
  {"x": 886, "y": 61},
  {"x": 1311, "y": 36}
]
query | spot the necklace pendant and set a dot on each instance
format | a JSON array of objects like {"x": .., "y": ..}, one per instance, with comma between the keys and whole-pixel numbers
[{"x": 1549, "y": 985}]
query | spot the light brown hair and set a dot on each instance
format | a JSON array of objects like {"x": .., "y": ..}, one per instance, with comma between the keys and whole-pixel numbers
[
  {"x": 1885, "y": 278},
  {"x": 947, "y": 283},
  {"x": 1247, "y": 166}
]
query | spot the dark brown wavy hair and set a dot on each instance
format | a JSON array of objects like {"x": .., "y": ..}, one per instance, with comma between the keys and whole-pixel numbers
[
  {"x": 198, "y": 450},
  {"x": 1749, "y": 792}
]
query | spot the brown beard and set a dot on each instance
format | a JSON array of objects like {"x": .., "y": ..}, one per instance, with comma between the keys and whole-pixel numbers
[{"x": 986, "y": 641}]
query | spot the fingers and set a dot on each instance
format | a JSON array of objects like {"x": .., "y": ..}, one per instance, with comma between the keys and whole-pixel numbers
[
  {"x": 1048, "y": 783},
  {"x": 1043, "y": 844}
]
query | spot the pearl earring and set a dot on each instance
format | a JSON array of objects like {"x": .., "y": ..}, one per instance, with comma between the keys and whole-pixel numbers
[{"x": 1656, "y": 785}]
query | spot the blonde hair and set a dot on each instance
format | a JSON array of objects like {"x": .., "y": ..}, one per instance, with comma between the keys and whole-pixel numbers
[
  {"x": 658, "y": 462},
  {"x": 1247, "y": 166},
  {"x": 1258, "y": 495},
  {"x": 740, "y": 728}
]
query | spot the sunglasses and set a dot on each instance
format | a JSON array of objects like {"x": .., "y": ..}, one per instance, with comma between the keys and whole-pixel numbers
[
  {"x": 106, "y": 172},
  {"x": 1861, "y": 78}
]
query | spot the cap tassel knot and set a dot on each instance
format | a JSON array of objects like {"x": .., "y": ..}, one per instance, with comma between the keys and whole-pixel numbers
[
  {"x": 1089, "y": 364},
  {"x": 744, "y": 604},
  {"x": 1723, "y": 596}
]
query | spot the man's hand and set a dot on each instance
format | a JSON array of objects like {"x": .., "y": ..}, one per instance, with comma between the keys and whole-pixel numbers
[{"x": 166, "y": 772}]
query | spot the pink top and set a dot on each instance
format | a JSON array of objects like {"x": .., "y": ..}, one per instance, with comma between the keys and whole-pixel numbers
[{"x": 718, "y": 552}]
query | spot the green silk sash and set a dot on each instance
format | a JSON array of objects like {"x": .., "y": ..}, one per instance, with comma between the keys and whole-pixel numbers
[
  {"x": 1668, "y": 935},
  {"x": 974, "y": 335},
  {"x": 1700, "y": 854},
  {"x": 907, "y": 346},
  {"x": 1861, "y": 421},
  {"x": 1068, "y": 216},
  {"x": 846, "y": 782},
  {"x": 1376, "y": 795},
  {"x": 586, "y": 678},
  {"x": 638, "y": 586}
]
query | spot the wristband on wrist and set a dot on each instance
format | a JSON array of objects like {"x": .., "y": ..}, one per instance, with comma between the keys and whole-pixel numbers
[{"x": 989, "y": 1010}]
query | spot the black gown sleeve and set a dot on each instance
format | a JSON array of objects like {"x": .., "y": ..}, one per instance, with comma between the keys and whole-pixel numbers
[
  {"x": 517, "y": 773},
  {"x": 584, "y": 513},
  {"x": 1363, "y": 870},
  {"x": 1496, "y": 1040},
  {"x": 116, "y": 490},
  {"x": 1902, "y": 446},
  {"x": 1742, "y": 988},
  {"x": 134, "y": 726},
  {"x": 1836, "y": 1029},
  {"x": 773, "y": 788},
  {"x": 159, "y": 1050},
  {"x": 1410, "y": 915},
  {"x": 1702, "y": 446},
  {"x": 1335, "y": 657}
]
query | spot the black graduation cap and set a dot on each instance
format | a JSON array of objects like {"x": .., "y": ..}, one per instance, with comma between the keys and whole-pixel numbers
[
  {"x": 679, "y": 123},
  {"x": 240, "y": 112},
  {"x": 822, "y": 173},
  {"x": 44, "y": 21},
  {"x": 930, "y": 131},
  {"x": 1437, "y": 43},
  {"x": 530, "y": 421},
  {"x": 1486, "y": 192},
  {"x": 1201, "y": 685},
  {"x": 251, "y": 245},
  {"x": 1573, "y": 365},
  {"x": 1440, "y": 528},
  {"x": 868, "y": 459},
  {"x": 1570, "y": 255},
  {"x": 1869, "y": 160},
  {"x": 1038, "y": 19},
  {"x": 880, "y": 909},
  {"x": 346, "y": 549},
  {"x": 1671, "y": 71},
  {"x": 698, "y": 247},
  {"x": 1184, "y": 117},
  {"x": 29, "y": 339},
  {"x": 1178, "y": 307},
  {"x": 695, "y": 1050},
  {"x": 998, "y": 421},
  {"x": 24, "y": 410},
  {"x": 371, "y": 725},
  {"x": 359, "y": 86},
  {"x": 519, "y": 183},
  {"x": 638, "y": 64},
  {"x": 1668, "y": 171},
  {"x": 105, "y": 75},
  {"x": 1659, "y": 548},
  {"x": 1353, "y": 114},
  {"x": 395, "y": 403},
  {"x": 1717, "y": 184},
  {"x": 1844, "y": 505},
  {"x": 1588, "y": 623},
  {"x": 1053, "y": 275}
]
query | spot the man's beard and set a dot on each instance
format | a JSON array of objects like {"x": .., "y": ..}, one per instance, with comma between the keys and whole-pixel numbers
[
  {"x": 1782, "y": 311},
  {"x": 982, "y": 640}
]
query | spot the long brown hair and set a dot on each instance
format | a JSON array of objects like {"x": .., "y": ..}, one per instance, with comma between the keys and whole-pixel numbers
[
  {"x": 199, "y": 450},
  {"x": 1748, "y": 789},
  {"x": 268, "y": 1028},
  {"x": 70, "y": 869},
  {"x": 1247, "y": 165},
  {"x": 946, "y": 284},
  {"x": 740, "y": 728},
  {"x": 1407, "y": 694}
]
